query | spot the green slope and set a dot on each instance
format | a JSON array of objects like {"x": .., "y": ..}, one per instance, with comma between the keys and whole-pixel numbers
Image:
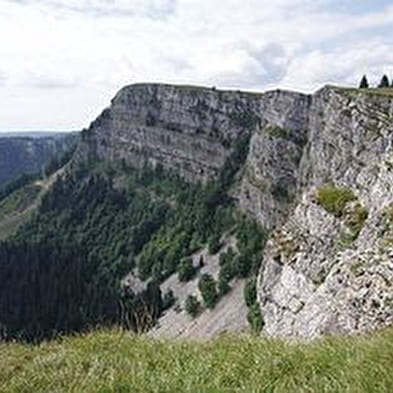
[
  {"x": 16, "y": 208},
  {"x": 61, "y": 271}
]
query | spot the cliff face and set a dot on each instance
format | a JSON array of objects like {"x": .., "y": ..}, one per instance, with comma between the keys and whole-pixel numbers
[
  {"x": 29, "y": 155},
  {"x": 189, "y": 130},
  {"x": 319, "y": 175},
  {"x": 326, "y": 270}
]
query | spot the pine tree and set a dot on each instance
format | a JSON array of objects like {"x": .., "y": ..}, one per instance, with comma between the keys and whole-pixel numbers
[
  {"x": 208, "y": 288},
  {"x": 384, "y": 82},
  {"x": 364, "y": 83},
  {"x": 192, "y": 305}
]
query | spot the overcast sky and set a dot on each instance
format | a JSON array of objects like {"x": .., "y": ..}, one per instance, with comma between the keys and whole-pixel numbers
[{"x": 61, "y": 61}]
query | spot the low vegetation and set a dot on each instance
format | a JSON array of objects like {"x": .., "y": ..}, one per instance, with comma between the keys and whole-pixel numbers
[
  {"x": 334, "y": 199},
  {"x": 254, "y": 315},
  {"x": 115, "y": 361},
  {"x": 276, "y": 131},
  {"x": 192, "y": 306},
  {"x": 13, "y": 185},
  {"x": 208, "y": 288},
  {"x": 19, "y": 200},
  {"x": 356, "y": 218}
]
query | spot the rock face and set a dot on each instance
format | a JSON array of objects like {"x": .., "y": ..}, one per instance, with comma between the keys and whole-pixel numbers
[
  {"x": 29, "y": 155},
  {"x": 319, "y": 175},
  {"x": 189, "y": 130},
  {"x": 324, "y": 271}
]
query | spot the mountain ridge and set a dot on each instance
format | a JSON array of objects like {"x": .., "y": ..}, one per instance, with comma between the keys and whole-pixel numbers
[
  {"x": 314, "y": 171},
  {"x": 283, "y": 166}
]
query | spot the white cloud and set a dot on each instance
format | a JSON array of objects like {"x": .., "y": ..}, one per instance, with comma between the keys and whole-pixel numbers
[
  {"x": 342, "y": 65},
  {"x": 89, "y": 49}
]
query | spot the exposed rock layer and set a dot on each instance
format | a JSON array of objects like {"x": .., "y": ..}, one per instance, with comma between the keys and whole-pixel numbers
[
  {"x": 319, "y": 277},
  {"x": 190, "y": 130},
  {"x": 30, "y": 155}
]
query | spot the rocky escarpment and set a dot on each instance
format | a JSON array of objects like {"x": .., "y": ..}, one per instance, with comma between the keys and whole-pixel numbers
[
  {"x": 30, "y": 155},
  {"x": 189, "y": 130},
  {"x": 318, "y": 175},
  {"x": 329, "y": 268}
]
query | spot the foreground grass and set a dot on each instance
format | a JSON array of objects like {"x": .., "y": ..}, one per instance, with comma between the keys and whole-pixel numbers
[{"x": 114, "y": 361}]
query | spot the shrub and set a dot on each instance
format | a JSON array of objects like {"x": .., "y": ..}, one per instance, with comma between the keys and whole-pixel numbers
[
  {"x": 227, "y": 257},
  {"x": 255, "y": 318},
  {"x": 214, "y": 244},
  {"x": 192, "y": 306},
  {"x": 333, "y": 199},
  {"x": 356, "y": 219},
  {"x": 208, "y": 287},
  {"x": 186, "y": 270},
  {"x": 228, "y": 271},
  {"x": 223, "y": 285},
  {"x": 168, "y": 300},
  {"x": 388, "y": 214},
  {"x": 276, "y": 131},
  {"x": 250, "y": 292}
]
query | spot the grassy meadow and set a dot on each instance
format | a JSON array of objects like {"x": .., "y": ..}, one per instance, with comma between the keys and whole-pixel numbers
[{"x": 115, "y": 361}]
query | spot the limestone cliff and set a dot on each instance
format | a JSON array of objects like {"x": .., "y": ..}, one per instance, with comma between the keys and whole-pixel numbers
[
  {"x": 190, "y": 130},
  {"x": 25, "y": 154},
  {"x": 329, "y": 268},
  {"x": 318, "y": 175}
]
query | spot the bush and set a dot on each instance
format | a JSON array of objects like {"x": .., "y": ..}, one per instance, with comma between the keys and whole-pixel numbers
[
  {"x": 186, "y": 270},
  {"x": 168, "y": 300},
  {"x": 192, "y": 306},
  {"x": 226, "y": 258},
  {"x": 250, "y": 292},
  {"x": 356, "y": 219},
  {"x": 255, "y": 318},
  {"x": 208, "y": 287},
  {"x": 228, "y": 271},
  {"x": 242, "y": 265},
  {"x": 223, "y": 285},
  {"x": 214, "y": 244},
  {"x": 333, "y": 199}
]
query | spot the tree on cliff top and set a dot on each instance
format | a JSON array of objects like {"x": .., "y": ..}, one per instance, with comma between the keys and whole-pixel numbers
[
  {"x": 364, "y": 83},
  {"x": 384, "y": 82}
]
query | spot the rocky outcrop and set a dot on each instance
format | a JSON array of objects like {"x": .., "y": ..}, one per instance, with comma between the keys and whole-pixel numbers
[
  {"x": 325, "y": 270},
  {"x": 269, "y": 183},
  {"x": 189, "y": 130}
]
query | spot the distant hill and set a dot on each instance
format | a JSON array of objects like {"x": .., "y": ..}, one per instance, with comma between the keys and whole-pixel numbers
[{"x": 30, "y": 152}]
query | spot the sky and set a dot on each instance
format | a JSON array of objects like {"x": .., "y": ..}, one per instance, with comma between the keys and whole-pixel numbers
[{"x": 61, "y": 61}]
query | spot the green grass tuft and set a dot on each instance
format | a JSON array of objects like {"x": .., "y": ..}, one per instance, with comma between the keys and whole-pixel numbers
[
  {"x": 356, "y": 219},
  {"x": 333, "y": 199},
  {"x": 115, "y": 361}
]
